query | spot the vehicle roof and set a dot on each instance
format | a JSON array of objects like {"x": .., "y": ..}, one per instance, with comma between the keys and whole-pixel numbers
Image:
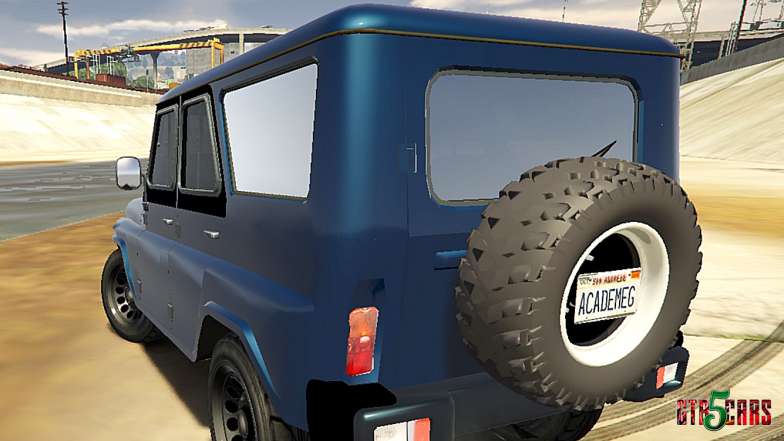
[{"x": 399, "y": 20}]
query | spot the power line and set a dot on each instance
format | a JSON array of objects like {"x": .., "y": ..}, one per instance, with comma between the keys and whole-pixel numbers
[{"x": 63, "y": 10}]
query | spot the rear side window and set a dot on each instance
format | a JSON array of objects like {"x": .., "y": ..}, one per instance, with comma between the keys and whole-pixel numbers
[
  {"x": 270, "y": 128},
  {"x": 485, "y": 129},
  {"x": 164, "y": 155},
  {"x": 199, "y": 164}
]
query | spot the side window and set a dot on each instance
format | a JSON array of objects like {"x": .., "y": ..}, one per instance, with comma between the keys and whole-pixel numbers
[
  {"x": 270, "y": 130},
  {"x": 485, "y": 129},
  {"x": 164, "y": 155},
  {"x": 199, "y": 165}
]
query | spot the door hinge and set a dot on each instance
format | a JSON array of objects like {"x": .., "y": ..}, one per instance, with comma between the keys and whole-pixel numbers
[{"x": 408, "y": 158}]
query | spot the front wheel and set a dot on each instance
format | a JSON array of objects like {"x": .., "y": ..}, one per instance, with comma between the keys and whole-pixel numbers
[{"x": 118, "y": 303}]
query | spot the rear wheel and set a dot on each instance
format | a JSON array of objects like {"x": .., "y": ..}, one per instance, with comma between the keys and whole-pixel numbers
[
  {"x": 118, "y": 303},
  {"x": 239, "y": 408},
  {"x": 567, "y": 426}
]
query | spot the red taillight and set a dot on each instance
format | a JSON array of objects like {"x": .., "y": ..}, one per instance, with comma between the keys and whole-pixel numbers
[
  {"x": 422, "y": 429},
  {"x": 412, "y": 430},
  {"x": 361, "y": 340}
]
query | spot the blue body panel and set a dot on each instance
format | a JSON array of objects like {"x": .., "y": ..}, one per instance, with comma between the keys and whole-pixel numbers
[{"x": 286, "y": 272}]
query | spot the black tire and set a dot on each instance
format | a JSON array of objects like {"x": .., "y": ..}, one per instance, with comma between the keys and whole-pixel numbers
[
  {"x": 520, "y": 259},
  {"x": 568, "y": 426},
  {"x": 239, "y": 407},
  {"x": 117, "y": 298}
]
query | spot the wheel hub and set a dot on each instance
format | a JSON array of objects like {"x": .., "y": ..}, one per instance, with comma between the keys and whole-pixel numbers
[
  {"x": 243, "y": 425},
  {"x": 236, "y": 410},
  {"x": 626, "y": 245},
  {"x": 121, "y": 299}
]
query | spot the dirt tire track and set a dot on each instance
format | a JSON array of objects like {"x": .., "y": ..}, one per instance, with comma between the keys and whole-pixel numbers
[
  {"x": 774, "y": 432},
  {"x": 693, "y": 381},
  {"x": 731, "y": 371}
]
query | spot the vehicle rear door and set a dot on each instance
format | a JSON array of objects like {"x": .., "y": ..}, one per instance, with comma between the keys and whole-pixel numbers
[
  {"x": 483, "y": 129},
  {"x": 201, "y": 202}
]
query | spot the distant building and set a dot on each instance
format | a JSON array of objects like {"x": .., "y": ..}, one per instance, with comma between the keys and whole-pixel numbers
[{"x": 180, "y": 73}]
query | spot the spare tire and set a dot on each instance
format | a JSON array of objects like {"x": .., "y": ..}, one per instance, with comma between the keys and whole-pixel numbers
[{"x": 517, "y": 284}]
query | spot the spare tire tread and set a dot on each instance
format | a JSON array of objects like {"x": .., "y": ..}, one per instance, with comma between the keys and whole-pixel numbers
[{"x": 488, "y": 294}]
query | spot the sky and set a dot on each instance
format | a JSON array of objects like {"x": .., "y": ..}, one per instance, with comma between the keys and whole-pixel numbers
[{"x": 31, "y": 30}]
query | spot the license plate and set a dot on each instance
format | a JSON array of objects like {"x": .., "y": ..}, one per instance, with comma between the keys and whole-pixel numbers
[{"x": 606, "y": 295}]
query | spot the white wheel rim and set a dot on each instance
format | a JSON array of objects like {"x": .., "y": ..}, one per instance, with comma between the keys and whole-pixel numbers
[{"x": 654, "y": 279}]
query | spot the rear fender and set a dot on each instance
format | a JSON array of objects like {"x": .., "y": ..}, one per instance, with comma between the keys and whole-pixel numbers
[{"x": 242, "y": 330}]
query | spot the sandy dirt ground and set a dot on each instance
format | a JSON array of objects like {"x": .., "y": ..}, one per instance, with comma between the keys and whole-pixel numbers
[
  {"x": 16, "y": 164},
  {"x": 65, "y": 375},
  {"x": 741, "y": 208}
]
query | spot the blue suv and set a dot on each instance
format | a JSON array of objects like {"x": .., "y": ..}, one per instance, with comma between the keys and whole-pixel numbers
[{"x": 405, "y": 224}]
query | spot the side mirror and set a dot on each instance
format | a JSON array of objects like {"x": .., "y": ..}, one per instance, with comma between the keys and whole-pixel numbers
[{"x": 129, "y": 173}]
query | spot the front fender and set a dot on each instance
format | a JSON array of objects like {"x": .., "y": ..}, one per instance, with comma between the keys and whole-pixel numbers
[
  {"x": 125, "y": 231},
  {"x": 135, "y": 211}
]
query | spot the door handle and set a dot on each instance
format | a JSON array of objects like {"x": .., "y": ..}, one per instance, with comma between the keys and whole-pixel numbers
[
  {"x": 212, "y": 234},
  {"x": 168, "y": 221}
]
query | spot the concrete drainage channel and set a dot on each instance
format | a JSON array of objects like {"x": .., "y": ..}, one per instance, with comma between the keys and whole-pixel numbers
[{"x": 35, "y": 198}]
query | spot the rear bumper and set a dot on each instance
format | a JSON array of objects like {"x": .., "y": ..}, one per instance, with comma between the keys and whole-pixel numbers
[
  {"x": 467, "y": 405},
  {"x": 457, "y": 407},
  {"x": 654, "y": 386},
  {"x": 439, "y": 410}
]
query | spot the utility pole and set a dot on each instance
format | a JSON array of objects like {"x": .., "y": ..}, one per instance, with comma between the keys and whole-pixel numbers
[
  {"x": 63, "y": 12},
  {"x": 563, "y": 16},
  {"x": 740, "y": 24}
]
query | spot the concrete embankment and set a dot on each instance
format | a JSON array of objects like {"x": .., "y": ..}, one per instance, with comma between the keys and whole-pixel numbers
[
  {"x": 735, "y": 115},
  {"x": 50, "y": 119},
  {"x": 767, "y": 51}
]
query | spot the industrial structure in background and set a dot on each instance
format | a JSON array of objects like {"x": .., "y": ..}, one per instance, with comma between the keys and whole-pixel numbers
[
  {"x": 122, "y": 53},
  {"x": 202, "y": 49},
  {"x": 702, "y": 47},
  {"x": 681, "y": 33},
  {"x": 759, "y": 24}
]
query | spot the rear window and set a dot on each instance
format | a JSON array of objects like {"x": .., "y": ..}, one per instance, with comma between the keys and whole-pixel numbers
[{"x": 485, "y": 129}]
